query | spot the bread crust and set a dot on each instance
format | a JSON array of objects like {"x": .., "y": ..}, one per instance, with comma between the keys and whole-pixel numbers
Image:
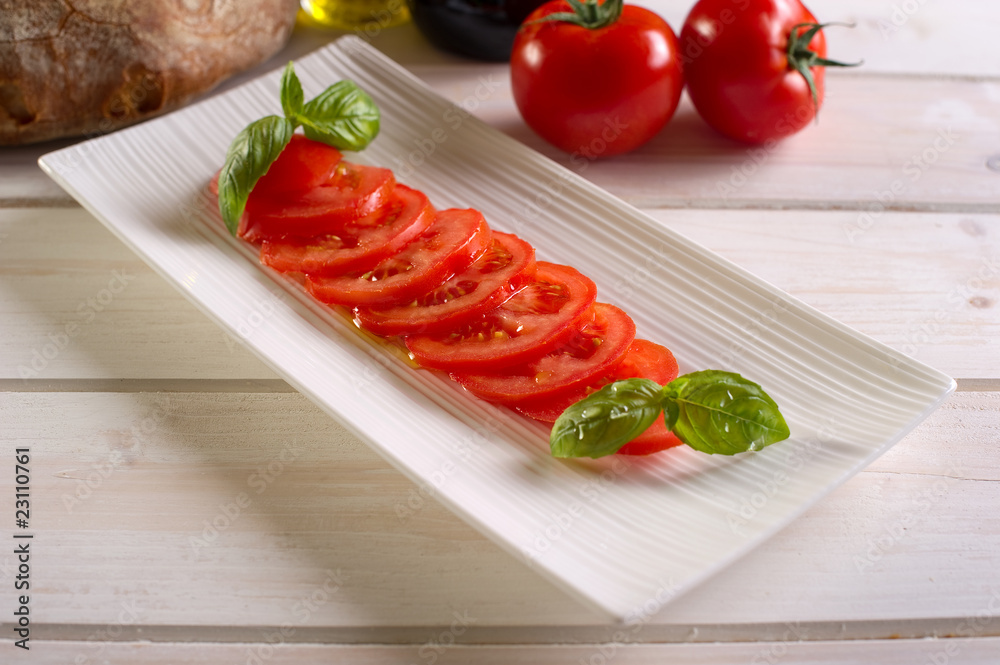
[{"x": 72, "y": 67}]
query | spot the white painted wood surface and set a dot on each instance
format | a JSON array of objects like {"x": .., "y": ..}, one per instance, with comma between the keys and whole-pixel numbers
[
  {"x": 148, "y": 421},
  {"x": 148, "y": 485},
  {"x": 939, "y": 306}
]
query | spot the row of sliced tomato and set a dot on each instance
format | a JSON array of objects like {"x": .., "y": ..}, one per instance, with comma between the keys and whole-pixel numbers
[{"x": 464, "y": 298}]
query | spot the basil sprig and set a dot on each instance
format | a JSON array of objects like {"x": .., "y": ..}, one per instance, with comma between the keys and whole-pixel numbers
[
  {"x": 249, "y": 156},
  {"x": 712, "y": 411},
  {"x": 343, "y": 116}
]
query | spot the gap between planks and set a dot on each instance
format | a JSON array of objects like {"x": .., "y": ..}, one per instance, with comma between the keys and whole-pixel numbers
[
  {"x": 915, "y": 76},
  {"x": 485, "y": 636},
  {"x": 40, "y": 202},
  {"x": 149, "y": 386}
]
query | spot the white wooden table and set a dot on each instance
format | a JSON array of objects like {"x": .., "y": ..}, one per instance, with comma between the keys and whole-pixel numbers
[{"x": 146, "y": 422}]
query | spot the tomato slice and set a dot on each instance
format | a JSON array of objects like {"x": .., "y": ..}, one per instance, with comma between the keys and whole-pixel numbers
[
  {"x": 643, "y": 360},
  {"x": 450, "y": 244},
  {"x": 532, "y": 322},
  {"x": 507, "y": 266},
  {"x": 648, "y": 360},
  {"x": 595, "y": 350},
  {"x": 358, "y": 245},
  {"x": 352, "y": 192},
  {"x": 656, "y": 438},
  {"x": 302, "y": 165}
]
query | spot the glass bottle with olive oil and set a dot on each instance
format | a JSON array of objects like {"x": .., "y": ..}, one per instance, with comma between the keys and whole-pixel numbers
[{"x": 357, "y": 14}]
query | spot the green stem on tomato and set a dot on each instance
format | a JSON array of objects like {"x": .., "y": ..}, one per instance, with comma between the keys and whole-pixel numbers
[
  {"x": 587, "y": 14},
  {"x": 801, "y": 58}
]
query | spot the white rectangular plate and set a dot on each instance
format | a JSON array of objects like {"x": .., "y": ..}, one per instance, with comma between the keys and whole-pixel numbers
[{"x": 624, "y": 535}]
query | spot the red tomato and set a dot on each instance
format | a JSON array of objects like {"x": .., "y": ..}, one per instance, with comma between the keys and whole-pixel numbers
[
  {"x": 302, "y": 165},
  {"x": 740, "y": 75},
  {"x": 596, "y": 92},
  {"x": 357, "y": 245},
  {"x": 656, "y": 438},
  {"x": 449, "y": 245},
  {"x": 353, "y": 192},
  {"x": 594, "y": 350},
  {"x": 507, "y": 266},
  {"x": 649, "y": 361},
  {"x": 535, "y": 320},
  {"x": 644, "y": 359}
]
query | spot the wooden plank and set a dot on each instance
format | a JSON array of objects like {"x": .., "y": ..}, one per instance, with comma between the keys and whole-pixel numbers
[
  {"x": 22, "y": 183},
  {"x": 76, "y": 303},
  {"x": 232, "y": 510},
  {"x": 942, "y": 307},
  {"x": 967, "y": 651},
  {"x": 925, "y": 284}
]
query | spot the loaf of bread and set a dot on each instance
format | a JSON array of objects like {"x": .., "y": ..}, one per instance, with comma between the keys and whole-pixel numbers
[{"x": 72, "y": 67}]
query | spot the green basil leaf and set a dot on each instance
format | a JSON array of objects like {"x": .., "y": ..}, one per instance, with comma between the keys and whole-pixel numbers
[
  {"x": 723, "y": 413},
  {"x": 606, "y": 420},
  {"x": 343, "y": 116},
  {"x": 292, "y": 97},
  {"x": 249, "y": 157}
]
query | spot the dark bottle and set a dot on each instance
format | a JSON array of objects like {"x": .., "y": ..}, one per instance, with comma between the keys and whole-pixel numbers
[{"x": 481, "y": 29}]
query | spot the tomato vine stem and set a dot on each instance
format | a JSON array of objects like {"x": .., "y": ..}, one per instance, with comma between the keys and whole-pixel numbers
[
  {"x": 801, "y": 58},
  {"x": 587, "y": 14}
]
